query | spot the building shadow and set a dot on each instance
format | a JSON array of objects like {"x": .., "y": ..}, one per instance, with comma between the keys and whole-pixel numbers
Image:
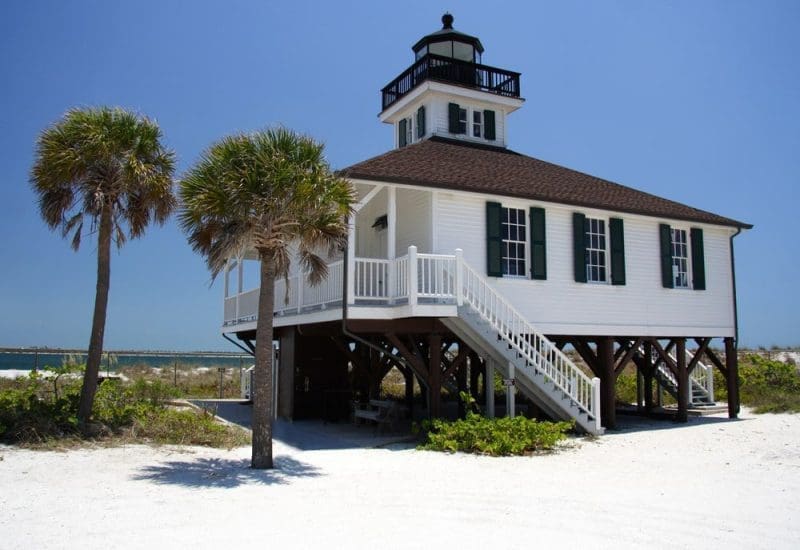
[
  {"x": 224, "y": 473},
  {"x": 628, "y": 423}
]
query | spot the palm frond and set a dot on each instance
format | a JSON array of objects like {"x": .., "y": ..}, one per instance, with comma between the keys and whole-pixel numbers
[{"x": 103, "y": 157}]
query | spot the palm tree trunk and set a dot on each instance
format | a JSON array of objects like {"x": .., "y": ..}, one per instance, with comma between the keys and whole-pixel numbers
[
  {"x": 95, "y": 354},
  {"x": 262, "y": 375}
]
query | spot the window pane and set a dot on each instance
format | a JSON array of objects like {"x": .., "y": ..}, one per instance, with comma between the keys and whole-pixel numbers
[
  {"x": 514, "y": 247},
  {"x": 596, "y": 269}
]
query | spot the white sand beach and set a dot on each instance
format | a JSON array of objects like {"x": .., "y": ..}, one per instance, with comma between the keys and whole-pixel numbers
[{"x": 712, "y": 483}]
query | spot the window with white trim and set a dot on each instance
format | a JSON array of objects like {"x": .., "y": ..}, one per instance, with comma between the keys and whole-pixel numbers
[
  {"x": 409, "y": 130},
  {"x": 680, "y": 258},
  {"x": 462, "y": 120},
  {"x": 596, "y": 256},
  {"x": 477, "y": 123},
  {"x": 514, "y": 235}
]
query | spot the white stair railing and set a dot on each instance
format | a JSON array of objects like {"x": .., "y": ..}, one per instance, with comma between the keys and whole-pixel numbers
[
  {"x": 702, "y": 376},
  {"x": 538, "y": 352}
]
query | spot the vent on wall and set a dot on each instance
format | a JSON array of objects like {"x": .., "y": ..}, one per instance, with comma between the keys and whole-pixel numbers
[{"x": 381, "y": 223}]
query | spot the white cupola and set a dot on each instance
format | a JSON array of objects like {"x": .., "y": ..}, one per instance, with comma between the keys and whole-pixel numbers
[{"x": 448, "y": 92}]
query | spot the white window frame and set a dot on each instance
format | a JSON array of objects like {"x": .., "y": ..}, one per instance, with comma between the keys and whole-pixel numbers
[
  {"x": 681, "y": 278},
  {"x": 463, "y": 122},
  {"x": 597, "y": 251},
  {"x": 520, "y": 243},
  {"x": 476, "y": 125}
]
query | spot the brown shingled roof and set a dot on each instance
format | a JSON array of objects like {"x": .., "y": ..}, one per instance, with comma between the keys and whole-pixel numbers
[{"x": 450, "y": 164}]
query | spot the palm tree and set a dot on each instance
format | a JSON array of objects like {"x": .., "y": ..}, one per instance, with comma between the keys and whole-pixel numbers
[
  {"x": 267, "y": 192},
  {"x": 107, "y": 166}
]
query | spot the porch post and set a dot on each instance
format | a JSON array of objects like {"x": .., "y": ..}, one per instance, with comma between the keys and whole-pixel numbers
[
  {"x": 351, "y": 260},
  {"x": 732, "y": 366},
  {"x": 488, "y": 386},
  {"x": 608, "y": 406},
  {"x": 683, "y": 380},
  {"x": 227, "y": 277},
  {"x": 510, "y": 397},
  {"x": 435, "y": 375},
  {"x": 412, "y": 275},
  {"x": 240, "y": 285},
  {"x": 391, "y": 240},
  {"x": 459, "y": 277}
]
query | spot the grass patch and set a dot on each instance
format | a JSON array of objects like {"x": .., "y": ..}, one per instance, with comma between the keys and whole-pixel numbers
[{"x": 41, "y": 410}]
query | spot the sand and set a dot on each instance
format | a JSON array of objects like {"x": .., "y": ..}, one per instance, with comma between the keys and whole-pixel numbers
[{"x": 712, "y": 483}]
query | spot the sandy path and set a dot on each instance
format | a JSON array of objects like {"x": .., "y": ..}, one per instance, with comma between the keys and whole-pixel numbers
[{"x": 711, "y": 484}]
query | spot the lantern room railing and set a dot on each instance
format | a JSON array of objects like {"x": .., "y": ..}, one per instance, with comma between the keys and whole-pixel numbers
[{"x": 451, "y": 71}]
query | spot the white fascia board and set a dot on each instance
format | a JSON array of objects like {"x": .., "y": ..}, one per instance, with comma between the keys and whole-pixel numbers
[
  {"x": 390, "y": 115},
  {"x": 588, "y": 210}
]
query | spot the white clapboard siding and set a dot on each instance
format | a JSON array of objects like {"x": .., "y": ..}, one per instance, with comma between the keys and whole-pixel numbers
[
  {"x": 413, "y": 220},
  {"x": 561, "y": 306},
  {"x": 371, "y": 243},
  {"x": 441, "y": 124}
]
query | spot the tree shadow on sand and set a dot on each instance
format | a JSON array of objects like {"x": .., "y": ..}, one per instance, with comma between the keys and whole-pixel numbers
[{"x": 224, "y": 473}]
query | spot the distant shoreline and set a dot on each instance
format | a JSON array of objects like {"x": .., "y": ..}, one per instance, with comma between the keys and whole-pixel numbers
[{"x": 72, "y": 351}]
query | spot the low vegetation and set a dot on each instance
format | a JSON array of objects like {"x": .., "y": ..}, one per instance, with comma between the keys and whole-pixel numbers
[
  {"x": 767, "y": 385},
  {"x": 492, "y": 436},
  {"x": 41, "y": 410}
]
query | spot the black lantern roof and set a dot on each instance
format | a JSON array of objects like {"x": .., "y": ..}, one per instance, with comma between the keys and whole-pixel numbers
[{"x": 446, "y": 33}]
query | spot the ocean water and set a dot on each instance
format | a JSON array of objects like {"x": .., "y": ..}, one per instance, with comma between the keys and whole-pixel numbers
[{"x": 30, "y": 359}]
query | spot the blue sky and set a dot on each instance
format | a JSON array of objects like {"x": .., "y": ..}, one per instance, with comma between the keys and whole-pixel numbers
[{"x": 695, "y": 101}]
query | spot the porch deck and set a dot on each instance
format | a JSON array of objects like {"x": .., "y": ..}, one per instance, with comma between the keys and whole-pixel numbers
[{"x": 413, "y": 285}]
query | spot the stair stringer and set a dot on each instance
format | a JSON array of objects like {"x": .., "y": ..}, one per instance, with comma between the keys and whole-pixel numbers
[
  {"x": 481, "y": 336},
  {"x": 699, "y": 395}
]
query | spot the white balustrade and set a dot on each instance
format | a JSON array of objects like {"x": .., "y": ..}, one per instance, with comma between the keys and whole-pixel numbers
[
  {"x": 371, "y": 278},
  {"x": 442, "y": 279},
  {"x": 540, "y": 354},
  {"x": 329, "y": 290},
  {"x": 436, "y": 275},
  {"x": 401, "y": 280}
]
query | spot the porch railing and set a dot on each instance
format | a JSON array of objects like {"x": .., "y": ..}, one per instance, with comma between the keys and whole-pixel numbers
[
  {"x": 409, "y": 279},
  {"x": 454, "y": 71}
]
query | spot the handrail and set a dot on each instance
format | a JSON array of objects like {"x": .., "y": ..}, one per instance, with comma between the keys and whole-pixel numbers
[
  {"x": 702, "y": 375},
  {"x": 532, "y": 345},
  {"x": 448, "y": 69}
]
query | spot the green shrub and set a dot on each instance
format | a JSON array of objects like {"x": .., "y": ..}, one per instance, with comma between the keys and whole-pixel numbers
[
  {"x": 492, "y": 436},
  {"x": 36, "y": 410},
  {"x": 28, "y": 414},
  {"x": 186, "y": 427}
]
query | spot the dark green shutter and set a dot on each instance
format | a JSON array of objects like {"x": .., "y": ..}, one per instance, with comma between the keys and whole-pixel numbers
[
  {"x": 488, "y": 125},
  {"x": 538, "y": 245},
  {"x": 665, "y": 236},
  {"x": 453, "y": 111},
  {"x": 402, "y": 130},
  {"x": 615, "y": 227},
  {"x": 698, "y": 259},
  {"x": 421, "y": 122},
  {"x": 579, "y": 246},
  {"x": 494, "y": 239}
]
